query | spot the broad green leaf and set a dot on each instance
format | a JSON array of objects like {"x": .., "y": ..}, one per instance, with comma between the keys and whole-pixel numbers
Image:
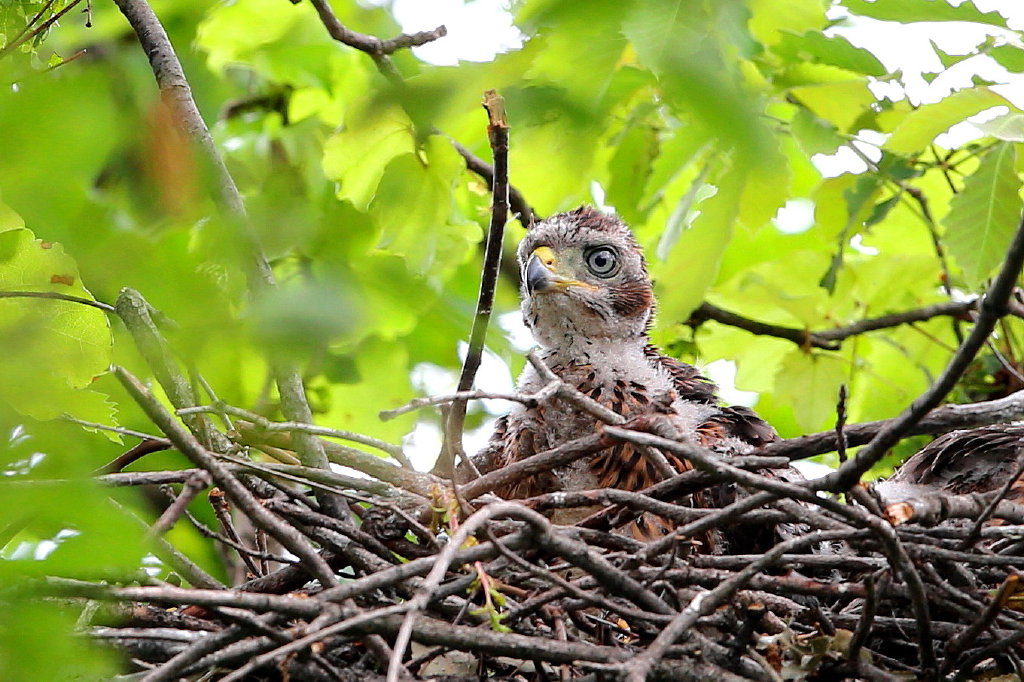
[
  {"x": 684, "y": 213},
  {"x": 922, "y": 10},
  {"x": 380, "y": 381},
  {"x": 983, "y": 217},
  {"x": 772, "y": 22},
  {"x": 840, "y": 103},
  {"x": 669, "y": 39},
  {"x": 833, "y": 50},
  {"x": 9, "y": 219},
  {"x": 1010, "y": 57},
  {"x": 815, "y": 135},
  {"x": 356, "y": 157},
  {"x": 415, "y": 211},
  {"x": 1009, "y": 127},
  {"x": 766, "y": 189},
  {"x": 65, "y": 656},
  {"x": 56, "y": 347},
  {"x": 692, "y": 265},
  {"x": 561, "y": 29},
  {"x": 286, "y": 42},
  {"x": 810, "y": 383},
  {"x": 925, "y": 123},
  {"x": 629, "y": 167}
]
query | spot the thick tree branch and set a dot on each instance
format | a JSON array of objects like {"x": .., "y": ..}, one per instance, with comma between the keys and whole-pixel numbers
[{"x": 940, "y": 420}]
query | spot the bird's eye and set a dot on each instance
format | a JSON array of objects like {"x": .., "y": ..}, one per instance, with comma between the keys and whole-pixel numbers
[{"x": 602, "y": 261}]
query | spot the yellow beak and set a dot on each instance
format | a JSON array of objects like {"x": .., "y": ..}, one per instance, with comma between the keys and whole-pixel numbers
[{"x": 542, "y": 273}]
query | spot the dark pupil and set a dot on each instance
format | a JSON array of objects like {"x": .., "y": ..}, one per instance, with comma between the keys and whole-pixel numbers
[{"x": 601, "y": 260}]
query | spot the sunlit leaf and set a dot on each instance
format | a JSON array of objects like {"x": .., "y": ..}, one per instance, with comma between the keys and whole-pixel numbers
[
  {"x": 833, "y": 50},
  {"x": 922, "y": 10},
  {"x": 415, "y": 211},
  {"x": 1009, "y": 127},
  {"x": 983, "y": 217},
  {"x": 772, "y": 22},
  {"x": 922, "y": 125},
  {"x": 691, "y": 266},
  {"x": 810, "y": 382},
  {"x": 357, "y": 156},
  {"x": 1010, "y": 57},
  {"x": 57, "y": 347},
  {"x": 840, "y": 103}
]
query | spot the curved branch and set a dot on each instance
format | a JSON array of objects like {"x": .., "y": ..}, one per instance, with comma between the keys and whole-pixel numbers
[{"x": 829, "y": 339}]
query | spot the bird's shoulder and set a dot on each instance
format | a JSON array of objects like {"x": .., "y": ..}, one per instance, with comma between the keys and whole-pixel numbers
[{"x": 733, "y": 421}]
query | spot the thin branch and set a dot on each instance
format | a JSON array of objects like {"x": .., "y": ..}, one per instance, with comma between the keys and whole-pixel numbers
[
  {"x": 224, "y": 479},
  {"x": 193, "y": 486},
  {"x": 830, "y": 339},
  {"x": 259, "y": 422},
  {"x": 497, "y": 133},
  {"x": 55, "y": 296},
  {"x": 941, "y": 420}
]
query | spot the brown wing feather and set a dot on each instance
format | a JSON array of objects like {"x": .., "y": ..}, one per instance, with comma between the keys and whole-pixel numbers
[
  {"x": 689, "y": 383},
  {"x": 968, "y": 461}
]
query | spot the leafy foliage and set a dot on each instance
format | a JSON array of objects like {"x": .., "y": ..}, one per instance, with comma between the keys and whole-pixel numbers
[{"x": 702, "y": 122}]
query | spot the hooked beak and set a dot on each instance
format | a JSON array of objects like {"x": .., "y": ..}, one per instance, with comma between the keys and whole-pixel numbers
[
  {"x": 542, "y": 273},
  {"x": 539, "y": 274}
]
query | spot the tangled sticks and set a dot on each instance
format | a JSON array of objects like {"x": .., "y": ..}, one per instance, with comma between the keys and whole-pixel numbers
[
  {"x": 509, "y": 595},
  {"x": 531, "y": 600}
]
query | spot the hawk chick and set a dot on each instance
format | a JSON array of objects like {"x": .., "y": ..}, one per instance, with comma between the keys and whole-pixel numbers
[{"x": 588, "y": 300}]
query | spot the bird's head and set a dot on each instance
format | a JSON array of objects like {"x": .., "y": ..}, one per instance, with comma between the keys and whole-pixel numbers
[{"x": 584, "y": 276}]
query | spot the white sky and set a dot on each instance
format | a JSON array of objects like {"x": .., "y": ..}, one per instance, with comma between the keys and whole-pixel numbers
[{"x": 480, "y": 29}]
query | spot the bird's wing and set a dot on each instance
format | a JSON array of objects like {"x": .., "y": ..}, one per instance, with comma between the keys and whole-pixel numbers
[
  {"x": 689, "y": 383},
  {"x": 514, "y": 439},
  {"x": 729, "y": 422},
  {"x": 967, "y": 461}
]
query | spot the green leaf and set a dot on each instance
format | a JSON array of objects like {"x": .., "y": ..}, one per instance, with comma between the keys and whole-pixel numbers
[
  {"x": 65, "y": 656},
  {"x": 810, "y": 383},
  {"x": 983, "y": 217},
  {"x": 1008, "y": 127},
  {"x": 949, "y": 60},
  {"x": 814, "y": 135},
  {"x": 772, "y": 22},
  {"x": 922, "y": 10},
  {"x": 814, "y": 46},
  {"x": 673, "y": 39},
  {"x": 683, "y": 279},
  {"x": 57, "y": 347},
  {"x": 684, "y": 213},
  {"x": 1010, "y": 57},
  {"x": 415, "y": 211},
  {"x": 840, "y": 103},
  {"x": 925, "y": 123},
  {"x": 357, "y": 156},
  {"x": 636, "y": 148},
  {"x": 766, "y": 189}
]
